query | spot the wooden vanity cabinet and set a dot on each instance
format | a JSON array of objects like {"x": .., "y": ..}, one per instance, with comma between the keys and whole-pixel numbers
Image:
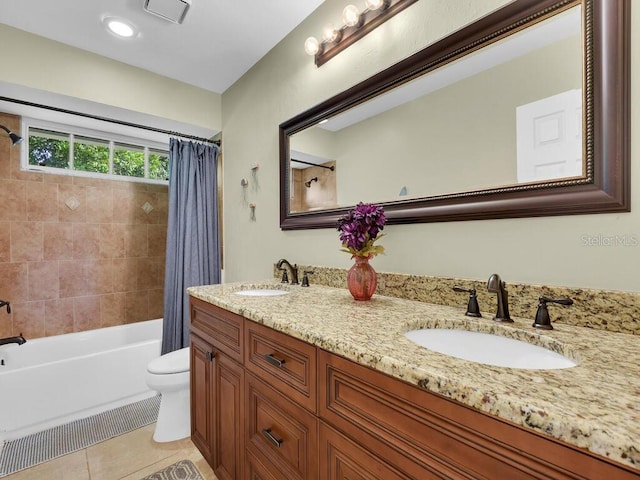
[
  {"x": 267, "y": 406},
  {"x": 217, "y": 388}
]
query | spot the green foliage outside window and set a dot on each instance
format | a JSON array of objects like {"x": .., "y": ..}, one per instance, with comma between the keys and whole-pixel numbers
[
  {"x": 90, "y": 155},
  {"x": 128, "y": 162},
  {"x": 48, "y": 149},
  {"x": 52, "y": 149},
  {"x": 158, "y": 165}
]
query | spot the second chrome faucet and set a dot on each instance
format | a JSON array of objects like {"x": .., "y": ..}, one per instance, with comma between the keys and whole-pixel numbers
[{"x": 497, "y": 286}]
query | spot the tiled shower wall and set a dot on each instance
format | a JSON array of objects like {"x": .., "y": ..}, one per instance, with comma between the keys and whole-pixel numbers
[{"x": 76, "y": 253}]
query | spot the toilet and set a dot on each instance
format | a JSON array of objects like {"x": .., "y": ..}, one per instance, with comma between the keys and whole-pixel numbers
[{"x": 169, "y": 375}]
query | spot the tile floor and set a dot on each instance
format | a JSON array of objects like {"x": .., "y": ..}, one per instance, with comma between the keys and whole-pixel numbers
[{"x": 131, "y": 456}]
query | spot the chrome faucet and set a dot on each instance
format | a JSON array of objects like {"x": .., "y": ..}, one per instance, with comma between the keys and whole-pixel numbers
[
  {"x": 496, "y": 285},
  {"x": 292, "y": 268},
  {"x": 20, "y": 340}
]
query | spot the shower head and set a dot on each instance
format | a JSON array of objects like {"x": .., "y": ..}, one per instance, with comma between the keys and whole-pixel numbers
[
  {"x": 308, "y": 182},
  {"x": 15, "y": 139}
]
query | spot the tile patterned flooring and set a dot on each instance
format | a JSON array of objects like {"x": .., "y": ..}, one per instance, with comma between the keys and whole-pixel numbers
[{"x": 131, "y": 456}]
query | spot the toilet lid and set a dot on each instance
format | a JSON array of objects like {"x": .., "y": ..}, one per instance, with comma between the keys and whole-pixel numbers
[{"x": 173, "y": 362}]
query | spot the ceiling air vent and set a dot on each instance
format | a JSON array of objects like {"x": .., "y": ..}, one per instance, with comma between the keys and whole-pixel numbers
[{"x": 172, "y": 10}]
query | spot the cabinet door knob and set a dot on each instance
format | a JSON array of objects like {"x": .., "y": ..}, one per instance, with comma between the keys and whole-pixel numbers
[
  {"x": 276, "y": 362},
  {"x": 211, "y": 356},
  {"x": 275, "y": 441}
]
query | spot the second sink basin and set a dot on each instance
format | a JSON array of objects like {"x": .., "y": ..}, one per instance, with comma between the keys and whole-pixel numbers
[
  {"x": 489, "y": 349},
  {"x": 261, "y": 292}
]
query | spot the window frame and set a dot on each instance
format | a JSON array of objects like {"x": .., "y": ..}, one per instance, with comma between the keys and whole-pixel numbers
[{"x": 113, "y": 139}]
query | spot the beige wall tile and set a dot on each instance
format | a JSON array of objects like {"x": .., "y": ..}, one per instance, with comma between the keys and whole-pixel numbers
[
  {"x": 58, "y": 241},
  {"x": 26, "y": 242},
  {"x": 42, "y": 202},
  {"x": 43, "y": 280},
  {"x": 5, "y": 242},
  {"x": 135, "y": 241},
  {"x": 99, "y": 276},
  {"x": 123, "y": 206},
  {"x": 28, "y": 319},
  {"x": 14, "y": 282},
  {"x": 86, "y": 313},
  {"x": 72, "y": 203},
  {"x": 157, "y": 240},
  {"x": 125, "y": 278},
  {"x": 58, "y": 316},
  {"x": 112, "y": 309},
  {"x": 112, "y": 237},
  {"x": 136, "y": 306},
  {"x": 86, "y": 240},
  {"x": 99, "y": 204},
  {"x": 72, "y": 278},
  {"x": 13, "y": 198},
  {"x": 156, "y": 303},
  {"x": 150, "y": 273}
]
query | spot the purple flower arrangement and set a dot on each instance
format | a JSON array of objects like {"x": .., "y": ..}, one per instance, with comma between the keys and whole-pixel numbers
[{"x": 360, "y": 228}]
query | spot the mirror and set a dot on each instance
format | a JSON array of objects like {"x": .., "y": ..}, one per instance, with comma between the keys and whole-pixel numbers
[{"x": 532, "y": 119}]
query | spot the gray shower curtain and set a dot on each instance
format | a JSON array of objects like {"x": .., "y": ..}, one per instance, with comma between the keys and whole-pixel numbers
[{"x": 193, "y": 247}]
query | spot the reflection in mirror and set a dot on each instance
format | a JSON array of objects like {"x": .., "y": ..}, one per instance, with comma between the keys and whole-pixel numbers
[
  {"x": 508, "y": 113},
  {"x": 524, "y": 112}
]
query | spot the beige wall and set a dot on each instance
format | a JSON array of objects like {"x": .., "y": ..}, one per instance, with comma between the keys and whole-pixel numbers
[
  {"x": 66, "y": 269},
  {"x": 547, "y": 250},
  {"x": 54, "y": 67}
]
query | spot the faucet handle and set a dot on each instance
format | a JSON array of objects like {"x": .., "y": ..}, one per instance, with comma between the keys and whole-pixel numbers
[
  {"x": 542, "y": 320},
  {"x": 305, "y": 278},
  {"x": 285, "y": 277},
  {"x": 473, "y": 309}
]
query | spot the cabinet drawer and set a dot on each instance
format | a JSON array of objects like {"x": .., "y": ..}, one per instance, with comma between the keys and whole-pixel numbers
[
  {"x": 220, "y": 328},
  {"x": 342, "y": 459},
  {"x": 281, "y": 434},
  {"x": 282, "y": 361}
]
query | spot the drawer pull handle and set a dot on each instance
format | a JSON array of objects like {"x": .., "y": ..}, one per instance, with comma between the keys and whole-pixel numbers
[
  {"x": 276, "y": 362},
  {"x": 276, "y": 441}
]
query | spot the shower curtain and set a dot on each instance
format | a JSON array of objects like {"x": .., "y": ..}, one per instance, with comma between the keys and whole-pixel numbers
[{"x": 193, "y": 247}]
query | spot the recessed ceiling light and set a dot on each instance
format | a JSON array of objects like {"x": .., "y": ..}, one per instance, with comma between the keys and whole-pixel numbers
[{"x": 119, "y": 27}]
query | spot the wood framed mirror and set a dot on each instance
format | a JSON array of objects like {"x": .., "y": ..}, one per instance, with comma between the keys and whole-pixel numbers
[{"x": 501, "y": 164}]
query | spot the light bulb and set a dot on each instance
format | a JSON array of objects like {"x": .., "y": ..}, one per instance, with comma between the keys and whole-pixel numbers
[
  {"x": 329, "y": 33},
  {"x": 311, "y": 45},
  {"x": 351, "y": 15},
  {"x": 374, "y": 4},
  {"x": 119, "y": 27}
]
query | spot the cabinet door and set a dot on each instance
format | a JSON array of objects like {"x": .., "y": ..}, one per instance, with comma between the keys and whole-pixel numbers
[
  {"x": 342, "y": 459},
  {"x": 228, "y": 402},
  {"x": 202, "y": 382}
]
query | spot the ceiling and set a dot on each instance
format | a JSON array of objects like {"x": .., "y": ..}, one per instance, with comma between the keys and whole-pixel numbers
[{"x": 217, "y": 43}]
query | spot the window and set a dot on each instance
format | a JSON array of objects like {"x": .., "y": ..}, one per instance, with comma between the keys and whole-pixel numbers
[{"x": 75, "y": 151}]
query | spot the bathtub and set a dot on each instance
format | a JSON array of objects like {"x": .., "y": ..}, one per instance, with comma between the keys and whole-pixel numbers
[{"x": 54, "y": 380}]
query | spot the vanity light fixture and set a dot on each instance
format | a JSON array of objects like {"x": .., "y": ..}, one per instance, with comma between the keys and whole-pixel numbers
[{"x": 356, "y": 25}]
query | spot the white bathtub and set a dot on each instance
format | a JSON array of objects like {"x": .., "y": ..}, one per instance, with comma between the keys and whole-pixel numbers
[{"x": 53, "y": 380}]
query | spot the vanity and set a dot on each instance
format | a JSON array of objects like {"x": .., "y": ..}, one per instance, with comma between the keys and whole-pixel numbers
[{"x": 313, "y": 385}]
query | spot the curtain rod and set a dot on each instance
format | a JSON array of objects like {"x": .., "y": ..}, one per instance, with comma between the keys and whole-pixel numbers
[
  {"x": 110, "y": 120},
  {"x": 332, "y": 168}
]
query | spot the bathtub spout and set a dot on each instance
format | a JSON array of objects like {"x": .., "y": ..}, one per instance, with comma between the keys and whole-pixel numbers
[{"x": 20, "y": 340}]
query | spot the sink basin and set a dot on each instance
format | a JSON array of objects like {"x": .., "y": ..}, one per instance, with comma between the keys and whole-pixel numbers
[
  {"x": 261, "y": 292},
  {"x": 489, "y": 349}
]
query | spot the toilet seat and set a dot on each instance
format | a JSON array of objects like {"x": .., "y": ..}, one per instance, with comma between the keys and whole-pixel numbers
[{"x": 170, "y": 363}]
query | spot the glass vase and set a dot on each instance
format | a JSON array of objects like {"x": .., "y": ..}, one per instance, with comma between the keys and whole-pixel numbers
[{"x": 362, "y": 279}]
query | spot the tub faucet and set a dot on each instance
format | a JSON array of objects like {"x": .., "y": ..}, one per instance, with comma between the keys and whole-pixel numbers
[
  {"x": 4, "y": 303},
  {"x": 292, "y": 268},
  {"x": 496, "y": 285},
  {"x": 19, "y": 340}
]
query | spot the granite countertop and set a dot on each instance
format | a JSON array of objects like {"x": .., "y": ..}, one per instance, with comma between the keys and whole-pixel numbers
[{"x": 594, "y": 405}]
